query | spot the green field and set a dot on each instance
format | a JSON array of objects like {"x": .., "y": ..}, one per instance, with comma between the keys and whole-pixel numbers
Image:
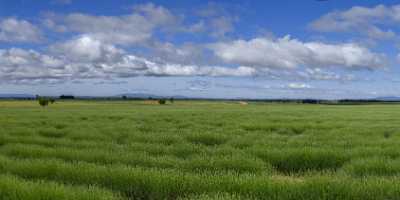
[{"x": 198, "y": 150}]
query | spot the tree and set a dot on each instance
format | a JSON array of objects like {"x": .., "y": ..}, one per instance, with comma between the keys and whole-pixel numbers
[
  {"x": 43, "y": 101},
  {"x": 52, "y": 100},
  {"x": 67, "y": 97},
  {"x": 162, "y": 101},
  {"x": 124, "y": 97},
  {"x": 171, "y": 99}
]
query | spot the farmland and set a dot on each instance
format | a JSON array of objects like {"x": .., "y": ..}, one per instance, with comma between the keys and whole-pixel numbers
[{"x": 198, "y": 150}]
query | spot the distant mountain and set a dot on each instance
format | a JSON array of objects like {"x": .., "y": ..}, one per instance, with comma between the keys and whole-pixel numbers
[
  {"x": 147, "y": 96},
  {"x": 16, "y": 96},
  {"x": 389, "y": 98}
]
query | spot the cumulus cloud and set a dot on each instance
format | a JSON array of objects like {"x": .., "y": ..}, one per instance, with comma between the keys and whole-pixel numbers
[
  {"x": 157, "y": 15},
  {"x": 28, "y": 64},
  {"x": 288, "y": 53},
  {"x": 110, "y": 82},
  {"x": 197, "y": 27},
  {"x": 140, "y": 28},
  {"x": 16, "y": 30},
  {"x": 221, "y": 26},
  {"x": 168, "y": 69},
  {"x": 87, "y": 49},
  {"x": 320, "y": 74},
  {"x": 134, "y": 28},
  {"x": 219, "y": 21},
  {"x": 102, "y": 46},
  {"x": 298, "y": 86},
  {"x": 187, "y": 53},
  {"x": 370, "y": 21},
  {"x": 198, "y": 85},
  {"x": 244, "y": 86},
  {"x": 86, "y": 57}
]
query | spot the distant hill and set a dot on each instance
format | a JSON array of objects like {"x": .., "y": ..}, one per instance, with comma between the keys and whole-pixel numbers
[
  {"x": 153, "y": 96},
  {"x": 16, "y": 96},
  {"x": 147, "y": 96},
  {"x": 389, "y": 98}
]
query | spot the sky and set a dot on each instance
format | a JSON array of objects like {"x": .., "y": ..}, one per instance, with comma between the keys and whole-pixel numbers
[{"x": 329, "y": 49}]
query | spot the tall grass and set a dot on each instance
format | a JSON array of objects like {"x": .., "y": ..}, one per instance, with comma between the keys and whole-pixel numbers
[
  {"x": 13, "y": 188},
  {"x": 198, "y": 150}
]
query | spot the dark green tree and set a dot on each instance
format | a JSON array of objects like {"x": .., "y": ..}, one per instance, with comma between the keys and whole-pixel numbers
[
  {"x": 43, "y": 101},
  {"x": 162, "y": 101}
]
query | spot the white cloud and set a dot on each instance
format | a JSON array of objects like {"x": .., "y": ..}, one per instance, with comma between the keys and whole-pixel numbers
[
  {"x": 197, "y": 27},
  {"x": 319, "y": 74},
  {"x": 86, "y": 57},
  {"x": 135, "y": 28},
  {"x": 156, "y": 15},
  {"x": 15, "y": 30},
  {"x": 141, "y": 66},
  {"x": 139, "y": 28},
  {"x": 221, "y": 26},
  {"x": 371, "y": 22},
  {"x": 287, "y": 53},
  {"x": 186, "y": 53},
  {"x": 218, "y": 20},
  {"x": 28, "y": 64},
  {"x": 398, "y": 58},
  {"x": 298, "y": 86},
  {"x": 86, "y": 48},
  {"x": 62, "y": 2},
  {"x": 101, "y": 48}
]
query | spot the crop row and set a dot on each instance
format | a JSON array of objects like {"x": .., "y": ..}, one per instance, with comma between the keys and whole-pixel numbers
[
  {"x": 13, "y": 188},
  {"x": 142, "y": 183}
]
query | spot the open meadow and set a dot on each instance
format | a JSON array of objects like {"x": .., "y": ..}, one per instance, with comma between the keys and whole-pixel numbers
[{"x": 106, "y": 150}]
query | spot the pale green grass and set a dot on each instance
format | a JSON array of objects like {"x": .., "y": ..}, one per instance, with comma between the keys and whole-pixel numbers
[{"x": 198, "y": 150}]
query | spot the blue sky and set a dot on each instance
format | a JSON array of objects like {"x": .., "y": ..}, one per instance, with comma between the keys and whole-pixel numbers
[{"x": 224, "y": 49}]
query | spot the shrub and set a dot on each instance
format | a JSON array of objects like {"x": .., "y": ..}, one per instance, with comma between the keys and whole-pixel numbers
[
  {"x": 43, "y": 101},
  {"x": 162, "y": 101}
]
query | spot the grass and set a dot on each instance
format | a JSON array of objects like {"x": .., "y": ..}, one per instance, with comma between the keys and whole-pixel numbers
[
  {"x": 13, "y": 188},
  {"x": 198, "y": 150}
]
